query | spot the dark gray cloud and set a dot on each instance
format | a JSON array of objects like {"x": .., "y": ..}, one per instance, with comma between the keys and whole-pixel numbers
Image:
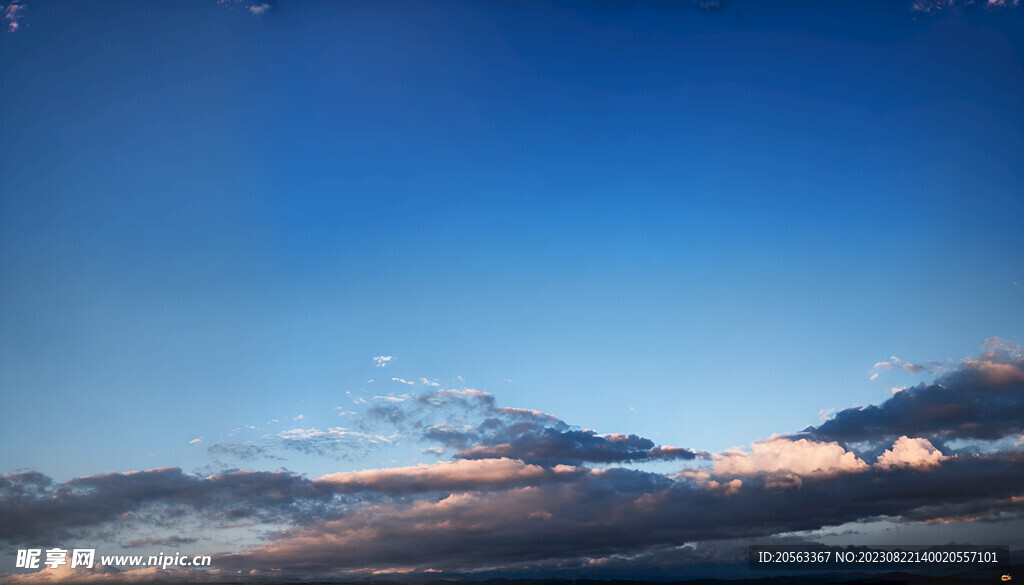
[
  {"x": 33, "y": 507},
  {"x": 621, "y": 512},
  {"x": 470, "y": 423},
  {"x": 511, "y": 520},
  {"x": 982, "y": 398},
  {"x": 550, "y": 446}
]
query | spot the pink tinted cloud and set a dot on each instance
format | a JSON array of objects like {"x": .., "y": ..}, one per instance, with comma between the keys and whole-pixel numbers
[
  {"x": 12, "y": 13},
  {"x": 457, "y": 475},
  {"x": 781, "y": 455}
]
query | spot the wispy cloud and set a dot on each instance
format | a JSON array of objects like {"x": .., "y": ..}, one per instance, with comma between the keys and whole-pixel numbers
[
  {"x": 259, "y": 9},
  {"x": 895, "y": 363},
  {"x": 931, "y": 6},
  {"x": 383, "y": 360},
  {"x": 337, "y": 443},
  {"x": 254, "y": 7},
  {"x": 13, "y": 13}
]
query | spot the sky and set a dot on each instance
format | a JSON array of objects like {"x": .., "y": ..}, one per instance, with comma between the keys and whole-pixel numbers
[{"x": 315, "y": 287}]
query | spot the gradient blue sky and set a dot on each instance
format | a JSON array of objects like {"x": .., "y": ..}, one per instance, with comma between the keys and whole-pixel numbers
[
  {"x": 705, "y": 223},
  {"x": 700, "y": 225},
  {"x": 721, "y": 219}
]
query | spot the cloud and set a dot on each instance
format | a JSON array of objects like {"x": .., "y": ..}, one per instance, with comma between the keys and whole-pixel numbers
[
  {"x": 244, "y": 450},
  {"x": 383, "y": 360},
  {"x": 433, "y": 407},
  {"x": 338, "y": 442},
  {"x": 708, "y": 5},
  {"x": 907, "y": 452},
  {"x": 525, "y": 491},
  {"x": 65, "y": 574},
  {"x": 624, "y": 512},
  {"x": 470, "y": 423},
  {"x": 35, "y": 508},
  {"x": 781, "y": 455},
  {"x": 980, "y": 398},
  {"x": 448, "y": 476},
  {"x": 401, "y": 381},
  {"x": 259, "y": 9},
  {"x": 895, "y": 363},
  {"x": 335, "y": 442},
  {"x": 169, "y": 541},
  {"x": 468, "y": 515},
  {"x": 12, "y": 14},
  {"x": 550, "y": 446},
  {"x": 933, "y": 6},
  {"x": 255, "y": 8}
]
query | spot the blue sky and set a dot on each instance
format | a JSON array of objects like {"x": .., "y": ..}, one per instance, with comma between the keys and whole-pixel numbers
[{"x": 700, "y": 225}]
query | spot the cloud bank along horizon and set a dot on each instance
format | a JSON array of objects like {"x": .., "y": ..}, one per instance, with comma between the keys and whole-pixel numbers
[{"x": 520, "y": 491}]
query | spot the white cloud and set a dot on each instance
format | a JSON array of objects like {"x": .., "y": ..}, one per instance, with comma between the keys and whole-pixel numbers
[
  {"x": 336, "y": 432},
  {"x": 780, "y": 455},
  {"x": 895, "y": 363},
  {"x": 382, "y": 360},
  {"x": 259, "y": 9},
  {"x": 907, "y": 452},
  {"x": 389, "y": 398}
]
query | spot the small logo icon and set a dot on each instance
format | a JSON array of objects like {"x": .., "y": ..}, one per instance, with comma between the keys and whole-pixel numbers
[{"x": 1007, "y": 578}]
